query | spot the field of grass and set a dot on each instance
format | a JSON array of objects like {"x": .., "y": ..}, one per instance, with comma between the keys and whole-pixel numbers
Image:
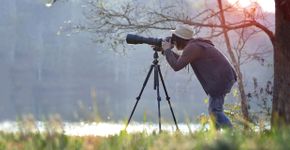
[{"x": 203, "y": 140}]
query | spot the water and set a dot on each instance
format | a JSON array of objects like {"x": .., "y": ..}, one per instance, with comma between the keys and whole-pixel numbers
[{"x": 101, "y": 129}]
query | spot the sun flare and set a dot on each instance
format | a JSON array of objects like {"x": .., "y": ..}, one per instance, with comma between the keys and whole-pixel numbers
[{"x": 266, "y": 5}]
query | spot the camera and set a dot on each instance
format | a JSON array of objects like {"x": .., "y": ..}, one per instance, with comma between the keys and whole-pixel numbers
[{"x": 136, "y": 39}]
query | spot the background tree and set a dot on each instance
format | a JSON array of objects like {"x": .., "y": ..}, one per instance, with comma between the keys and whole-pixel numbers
[{"x": 281, "y": 99}]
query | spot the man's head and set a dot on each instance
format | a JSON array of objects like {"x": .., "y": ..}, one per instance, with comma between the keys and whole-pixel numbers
[{"x": 181, "y": 35}]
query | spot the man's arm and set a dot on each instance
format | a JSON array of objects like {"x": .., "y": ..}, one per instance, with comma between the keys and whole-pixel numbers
[{"x": 190, "y": 53}]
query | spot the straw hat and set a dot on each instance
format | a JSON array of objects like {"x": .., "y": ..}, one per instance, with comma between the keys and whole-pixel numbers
[{"x": 183, "y": 31}]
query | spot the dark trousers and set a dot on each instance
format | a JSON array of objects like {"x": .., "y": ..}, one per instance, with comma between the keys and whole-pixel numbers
[{"x": 216, "y": 111}]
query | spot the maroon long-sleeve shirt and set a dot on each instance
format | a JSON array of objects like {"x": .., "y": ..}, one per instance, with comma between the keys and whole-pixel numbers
[{"x": 211, "y": 67}]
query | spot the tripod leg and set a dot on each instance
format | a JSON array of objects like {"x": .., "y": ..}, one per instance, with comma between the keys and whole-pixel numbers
[
  {"x": 167, "y": 97},
  {"x": 159, "y": 115},
  {"x": 139, "y": 96},
  {"x": 156, "y": 84}
]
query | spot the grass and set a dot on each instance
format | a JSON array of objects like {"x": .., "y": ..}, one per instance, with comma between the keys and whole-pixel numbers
[
  {"x": 203, "y": 140},
  {"x": 53, "y": 138}
]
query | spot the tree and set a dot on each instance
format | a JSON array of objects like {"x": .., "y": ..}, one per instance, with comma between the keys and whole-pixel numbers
[
  {"x": 244, "y": 101},
  {"x": 281, "y": 99},
  {"x": 114, "y": 22}
]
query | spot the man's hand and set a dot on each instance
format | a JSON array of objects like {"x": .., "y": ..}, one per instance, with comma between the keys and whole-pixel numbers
[
  {"x": 167, "y": 45},
  {"x": 157, "y": 48}
]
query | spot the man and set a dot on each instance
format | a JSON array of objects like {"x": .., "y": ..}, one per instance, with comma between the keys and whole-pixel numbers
[{"x": 211, "y": 67}]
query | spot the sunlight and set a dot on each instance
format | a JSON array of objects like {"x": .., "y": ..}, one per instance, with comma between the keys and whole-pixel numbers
[
  {"x": 266, "y": 5},
  {"x": 49, "y": 3},
  {"x": 102, "y": 128}
]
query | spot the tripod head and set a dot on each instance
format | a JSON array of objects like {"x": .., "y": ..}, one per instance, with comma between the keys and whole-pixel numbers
[{"x": 155, "y": 55}]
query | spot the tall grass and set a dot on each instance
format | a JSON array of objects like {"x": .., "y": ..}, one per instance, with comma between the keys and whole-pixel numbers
[
  {"x": 202, "y": 140},
  {"x": 210, "y": 139},
  {"x": 53, "y": 138}
]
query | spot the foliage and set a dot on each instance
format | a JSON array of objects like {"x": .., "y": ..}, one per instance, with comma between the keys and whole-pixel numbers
[
  {"x": 211, "y": 139},
  {"x": 28, "y": 138},
  {"x": 37, "y": 141},
  {"x": 262, "y": 97}
]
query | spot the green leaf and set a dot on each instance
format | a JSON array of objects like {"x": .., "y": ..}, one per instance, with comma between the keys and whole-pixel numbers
[
  {"x": 235, "y": 92},
  {"x": 205, "y": 100}
]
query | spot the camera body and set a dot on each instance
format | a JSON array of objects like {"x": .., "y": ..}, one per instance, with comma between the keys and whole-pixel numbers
[{"x": 136, "y": 39}]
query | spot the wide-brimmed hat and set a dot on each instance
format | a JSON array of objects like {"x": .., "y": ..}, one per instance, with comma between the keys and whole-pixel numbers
[{"x": 183, "y": 31}]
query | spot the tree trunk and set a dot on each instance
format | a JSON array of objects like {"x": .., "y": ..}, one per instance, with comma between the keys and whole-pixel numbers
[
  {"x": 281, "y": 99},
  {"x": 244, "y": 102}
]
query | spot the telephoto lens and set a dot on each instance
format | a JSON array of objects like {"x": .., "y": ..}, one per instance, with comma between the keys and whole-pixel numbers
[{"x": 136, "y": 39}]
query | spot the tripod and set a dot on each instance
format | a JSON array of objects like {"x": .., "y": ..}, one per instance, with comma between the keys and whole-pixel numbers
[{"x": 157, "y": 74}]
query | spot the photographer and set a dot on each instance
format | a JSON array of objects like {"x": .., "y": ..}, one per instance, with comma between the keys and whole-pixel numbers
[{"x": 211, "y": 67}]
